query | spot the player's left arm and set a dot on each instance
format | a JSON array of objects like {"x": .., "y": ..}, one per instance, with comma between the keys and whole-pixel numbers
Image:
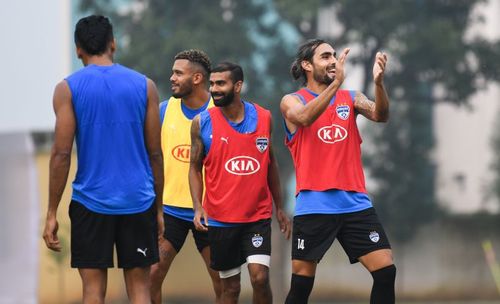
[
  {"x": 273, "y": 180},
  {"x": 377, "y": 110},
  {"x": 152, "y": 136},
  {"x": 195, "y": 175}
]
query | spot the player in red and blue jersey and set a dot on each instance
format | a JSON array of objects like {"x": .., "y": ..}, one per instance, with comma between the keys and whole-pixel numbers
[
  {"x": 331, "y": 198},
  {"x": 232, "y": 142}
]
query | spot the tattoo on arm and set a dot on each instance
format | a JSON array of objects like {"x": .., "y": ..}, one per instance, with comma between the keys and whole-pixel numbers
[
  {"x": 196, "y": 165},
  {"x": 196, "y": 157},
  {"x": 364, "y": 106}
]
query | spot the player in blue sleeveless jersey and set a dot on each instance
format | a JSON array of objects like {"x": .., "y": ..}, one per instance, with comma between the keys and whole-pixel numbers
[{"x": 112, "y": 112}]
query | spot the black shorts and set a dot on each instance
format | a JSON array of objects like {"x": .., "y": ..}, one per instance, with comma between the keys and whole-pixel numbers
[
  {"x": 359, "y": 233},
  {"x": 176, "y": 231},
  {"x": 93, "y": 236},
  {"x": 230, "y": 246}
]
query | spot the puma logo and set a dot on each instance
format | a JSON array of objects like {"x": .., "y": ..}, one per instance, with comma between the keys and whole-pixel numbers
[
  {"x": 225, "y": 139},
  {"x": 142, "y": 251}
]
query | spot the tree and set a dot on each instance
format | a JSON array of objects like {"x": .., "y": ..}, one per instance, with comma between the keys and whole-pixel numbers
[{"x": 150, "y": 33}]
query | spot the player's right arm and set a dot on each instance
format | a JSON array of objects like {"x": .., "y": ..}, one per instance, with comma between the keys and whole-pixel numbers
[
  {"x": 196, "y": 175},
  {"x": 297, "y": 114},
  {"x": 60, "y": 160}
]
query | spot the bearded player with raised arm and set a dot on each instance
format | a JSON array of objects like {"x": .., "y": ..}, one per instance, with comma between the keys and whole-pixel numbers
[{"x": 331, "y": 198}]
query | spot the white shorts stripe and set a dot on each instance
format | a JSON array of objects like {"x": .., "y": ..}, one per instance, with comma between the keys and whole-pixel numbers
[
  {"x": 229, "y": 273},
  {"x": 262, "y": 259}
]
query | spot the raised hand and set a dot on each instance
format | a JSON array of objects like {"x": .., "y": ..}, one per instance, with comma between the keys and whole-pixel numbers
[
  {"x": 339, "y": 66},
  {"x": 379, "y": 68}
]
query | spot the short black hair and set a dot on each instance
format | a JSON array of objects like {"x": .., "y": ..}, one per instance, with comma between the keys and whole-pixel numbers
[
  {"x": 197, "y": 57},
  {"x": 235, "y": 70},
  {"x": 305, "y": 52},
  {"x": 93, "y": 34}
]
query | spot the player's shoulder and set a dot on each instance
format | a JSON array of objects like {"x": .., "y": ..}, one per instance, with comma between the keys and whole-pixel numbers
[
  {"x": 173, "y": 100},
  {"x": 204, "y": 116},
  {"x": 62, "y": 85},
  {"x": 346, "y": 94},
  {"x": 163, "y": 107},
  {"x": 256, "y": 106},
  {"x": 289, "y": 95},
  {"x": 291, "y": 99},
  {"x": 78, "y": 73},
  {"x": 170, "y": 102},
  {"x": 63, "y": 90},
  {"x": 295, "y": 95},
  {"x": 125, "y": 69}
]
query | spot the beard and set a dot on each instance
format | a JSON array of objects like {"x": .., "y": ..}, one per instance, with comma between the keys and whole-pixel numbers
[
  {"x": 183, "y": 90},
  {"x": 225, "y": 100},
  {"x": 322, "y": 78}
]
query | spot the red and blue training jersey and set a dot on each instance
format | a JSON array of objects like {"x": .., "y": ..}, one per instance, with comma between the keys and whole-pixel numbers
[
  {"x": 236, "y": 171},
  {"x": 327, "y": 159}
]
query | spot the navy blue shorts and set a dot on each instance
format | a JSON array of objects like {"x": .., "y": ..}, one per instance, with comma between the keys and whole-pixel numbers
[
  {"x": 176, "y": 231},
  {"x": 230, "y": 246},
  {"x": 93, "y": 236},
  {"x": 359, "y": 233}
]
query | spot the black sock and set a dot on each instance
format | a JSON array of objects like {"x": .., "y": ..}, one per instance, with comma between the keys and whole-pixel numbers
[
  {"x": 300, "y": 289},
  {"x": 383, "y": 285}
]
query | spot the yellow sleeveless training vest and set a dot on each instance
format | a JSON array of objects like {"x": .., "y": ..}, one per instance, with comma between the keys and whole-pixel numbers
[{"x": 176, "y": 145}]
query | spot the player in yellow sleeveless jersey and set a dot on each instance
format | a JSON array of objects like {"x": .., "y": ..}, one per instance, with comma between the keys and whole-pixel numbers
[{"x": 189, "y": 80}]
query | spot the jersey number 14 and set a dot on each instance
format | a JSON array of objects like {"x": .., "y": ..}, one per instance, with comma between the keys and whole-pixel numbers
[{"x": 300, "y": 244}]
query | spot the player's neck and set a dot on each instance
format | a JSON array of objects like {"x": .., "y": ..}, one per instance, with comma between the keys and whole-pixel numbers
[
  {"x": 103, "y": 60},
  {"x": 316, "y": 87},
  {"x": 235, "y": 111},
  {"x": 196, "y": 99}
]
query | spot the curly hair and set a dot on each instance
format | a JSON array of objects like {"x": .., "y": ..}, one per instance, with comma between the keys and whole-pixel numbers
[{"x": 197, "y": 57}]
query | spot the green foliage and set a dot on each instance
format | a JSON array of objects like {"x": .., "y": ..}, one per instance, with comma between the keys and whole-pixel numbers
[{"x": 150, "y": 33}]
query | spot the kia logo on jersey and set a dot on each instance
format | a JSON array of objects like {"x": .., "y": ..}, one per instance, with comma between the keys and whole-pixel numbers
[
  {"x": 242, "y": 165},
  {"x": 332, "y": 134},
  {"x": 181, "y": 153}
]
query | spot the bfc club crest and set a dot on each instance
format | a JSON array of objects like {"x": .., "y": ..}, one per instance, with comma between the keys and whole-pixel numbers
[
  {"x": 374, "y": 236},
  {"x": 262, "y": 143},
  {"x": 343, "y": 111},
  {"x": 257, "y": 240}
]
